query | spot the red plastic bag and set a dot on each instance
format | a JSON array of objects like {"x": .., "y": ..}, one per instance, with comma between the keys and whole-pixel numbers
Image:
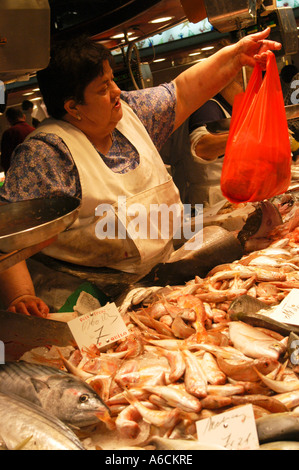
[{"x": 257, "y": 161}]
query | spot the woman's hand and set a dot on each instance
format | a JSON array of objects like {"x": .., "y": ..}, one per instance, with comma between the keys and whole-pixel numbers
[
  {"x": 29, "y": 305},
  {"x": 253, "y": 48},
  {"x": 17, "y": 292},
  {"x": 197, "y": 84}
]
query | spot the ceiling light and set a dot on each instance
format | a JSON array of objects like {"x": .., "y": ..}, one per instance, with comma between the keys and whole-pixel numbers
[
  {"x": 162, "y": 20},
  {"x": 120, "y": 35},
  {"x": 28, "y": 94},
  {"x": 208, "y": 48},
  {"x": 194, "y": 53},
  {"x": 159, "y": 60}
]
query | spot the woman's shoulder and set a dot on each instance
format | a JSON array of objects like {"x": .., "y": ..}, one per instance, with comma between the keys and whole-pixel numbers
[
  {"x": 43, "y": 146},
  {"x": 41, "y": 165},
  {"x": 155, "y": 108},
  {"x": 152, "y": 97}
]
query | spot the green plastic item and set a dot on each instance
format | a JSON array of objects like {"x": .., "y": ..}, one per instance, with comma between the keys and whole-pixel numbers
[{"x": 85, "y": 287}]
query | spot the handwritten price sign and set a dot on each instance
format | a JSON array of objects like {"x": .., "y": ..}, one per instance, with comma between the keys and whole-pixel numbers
[
  {"x": 288, "y": 310},
  {"x": 232, "y": 430},
  {"x": 100, "y": 327}
]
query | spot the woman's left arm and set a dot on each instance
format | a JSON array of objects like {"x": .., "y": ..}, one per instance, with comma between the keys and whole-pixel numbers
[{"x": 204, "y": 80}]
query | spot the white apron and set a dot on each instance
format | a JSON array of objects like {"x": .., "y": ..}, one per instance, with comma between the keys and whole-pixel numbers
[{"x": 149, "y": 183}]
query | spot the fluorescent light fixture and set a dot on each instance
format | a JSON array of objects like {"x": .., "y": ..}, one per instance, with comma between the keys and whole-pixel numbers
[
  {"x": 120, "y": 35},
  {"x": 159, "y": 60},
  {"x": 208, "y": 48},
  {"x": 194, "y": 53},
  {"x": 28, "y": 94},
  {"x": 161, "y": 19}
]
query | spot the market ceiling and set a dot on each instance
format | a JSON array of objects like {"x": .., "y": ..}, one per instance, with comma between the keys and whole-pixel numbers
[{"x": 105, "y": 19}]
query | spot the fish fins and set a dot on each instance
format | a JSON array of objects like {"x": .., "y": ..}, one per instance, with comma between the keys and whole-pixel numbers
[{"x": 39, "y": 385}]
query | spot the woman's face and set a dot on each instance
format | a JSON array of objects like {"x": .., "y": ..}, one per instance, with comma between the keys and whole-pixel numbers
[{"x": 102, "y": 108}]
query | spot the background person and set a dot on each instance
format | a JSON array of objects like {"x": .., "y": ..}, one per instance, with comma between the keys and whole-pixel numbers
[
  {"x": 15, "y": 135},
  {"x": 196, "y": 155},
  {"x": 289, "y": 79},
  {"x": 207, "y": 149},
  {"x": 27, "y": 107}
]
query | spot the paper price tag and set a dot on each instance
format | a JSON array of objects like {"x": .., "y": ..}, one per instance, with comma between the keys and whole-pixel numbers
[
  {"x": 288, "y": 310},
  {"x": 232, "y": 430},
  {"x": 100, "y": 327}
]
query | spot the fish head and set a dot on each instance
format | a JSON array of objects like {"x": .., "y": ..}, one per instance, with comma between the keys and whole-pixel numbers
[{"x": 74, "y": 401}]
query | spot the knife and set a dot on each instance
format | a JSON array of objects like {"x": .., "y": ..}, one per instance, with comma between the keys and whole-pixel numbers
[{"x": 21, "y": 333}]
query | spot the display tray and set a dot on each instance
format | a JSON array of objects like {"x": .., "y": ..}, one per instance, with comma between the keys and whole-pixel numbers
[{"x": 27, "y": 223}]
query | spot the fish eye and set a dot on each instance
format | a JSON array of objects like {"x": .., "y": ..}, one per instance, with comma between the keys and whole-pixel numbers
[{"x": 83, "y": 398}]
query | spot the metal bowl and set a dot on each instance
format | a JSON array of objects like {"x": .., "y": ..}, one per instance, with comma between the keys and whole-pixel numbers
[{"x": 27, "y": 223}]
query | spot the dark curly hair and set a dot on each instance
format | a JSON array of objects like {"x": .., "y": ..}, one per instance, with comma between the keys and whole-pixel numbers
[{"x": 73, "y": 65}]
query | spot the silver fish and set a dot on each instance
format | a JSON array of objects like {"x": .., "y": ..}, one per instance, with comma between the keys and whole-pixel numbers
[
  {"x": 278, "y": 427},
  {"x": 59, "y": 393},
  {"x": 254, "y": 343},
  {"x": 279, "y": 386},
  {"x": 162, "y": 443},
  {"x": 280, "y": 445},
  {"x": 26, "y": 426}
]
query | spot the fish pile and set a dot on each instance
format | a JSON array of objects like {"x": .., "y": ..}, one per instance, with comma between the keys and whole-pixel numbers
[
  {"x": 40, "y": 406},
  {"x": 193, "y": 351}
]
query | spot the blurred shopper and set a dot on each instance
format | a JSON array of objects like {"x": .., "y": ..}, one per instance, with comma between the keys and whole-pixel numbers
[
  {"x": 27, "y": 108},
  {"x": 196, "y": 155},
  {"x": 15, "y": 135},
  {"x": 289, "y": 79}
]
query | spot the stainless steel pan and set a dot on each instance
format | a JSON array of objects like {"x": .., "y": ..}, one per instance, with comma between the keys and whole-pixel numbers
[
  {"x": 26, "y": 223},
  {"x": 26, "y": 227}
]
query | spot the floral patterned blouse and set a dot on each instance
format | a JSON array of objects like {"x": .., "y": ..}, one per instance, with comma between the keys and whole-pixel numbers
[{"x": 43, "y": 166}]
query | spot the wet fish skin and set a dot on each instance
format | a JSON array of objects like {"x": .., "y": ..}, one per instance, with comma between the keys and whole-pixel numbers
[
  {"x": 26, "y": 423},
  {"x": 278, "y": 427},
  {"x": 249, "y": 310},
  {"x": 57, "y": 392},
  {"x": 162, "y": 443},
  {"x": 280, "y": 445},
  {"x": 279, "y": 386},
  {"x": 253, "y": 342},
  {"x": 176, "y": 397}
]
